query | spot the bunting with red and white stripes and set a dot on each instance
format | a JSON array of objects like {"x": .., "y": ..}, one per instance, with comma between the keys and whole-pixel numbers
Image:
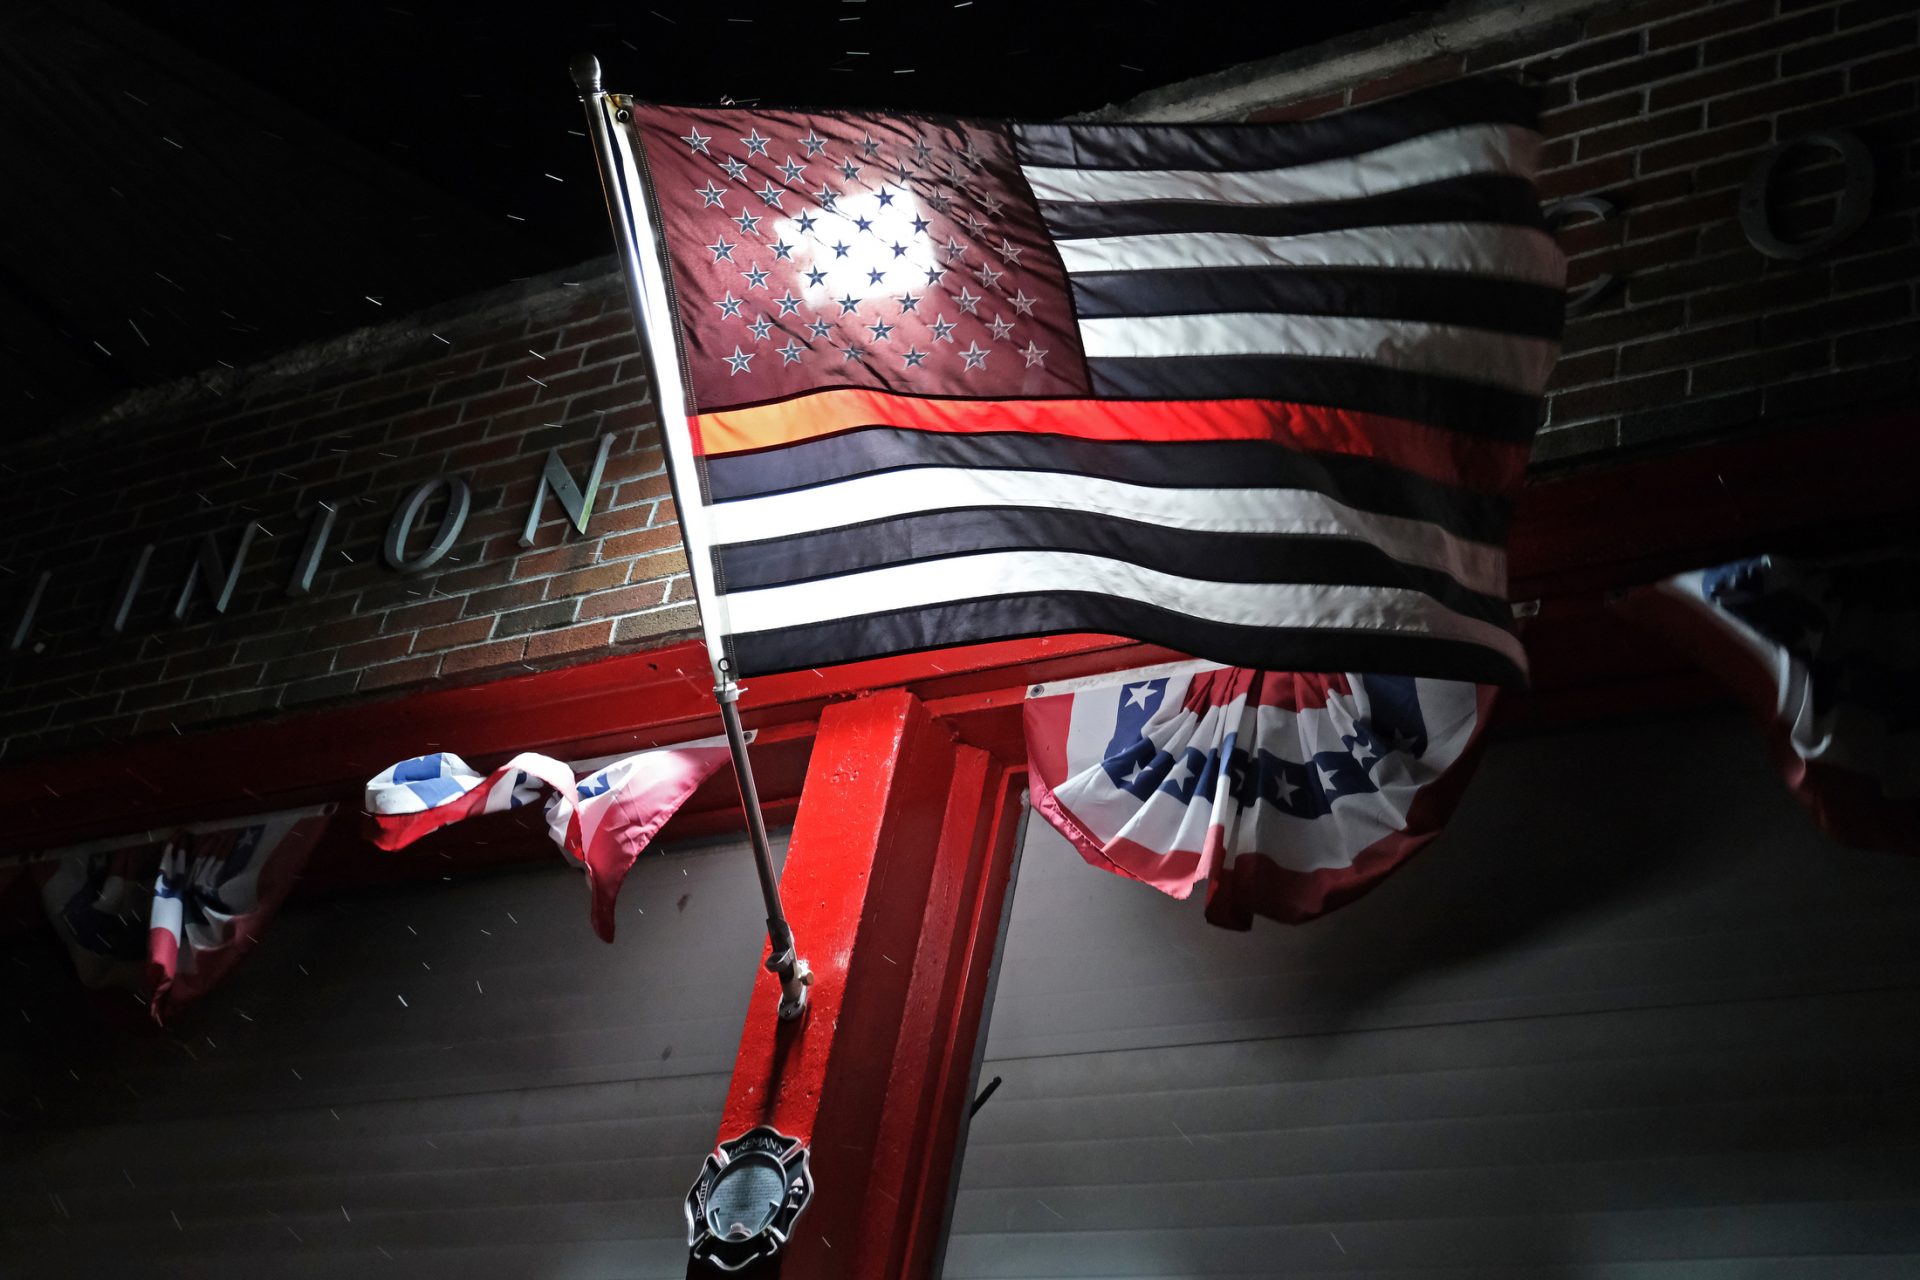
[{"x": 1286, "y": 794}]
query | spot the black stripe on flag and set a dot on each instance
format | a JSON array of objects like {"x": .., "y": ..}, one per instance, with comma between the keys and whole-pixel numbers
[
  {"x": 1500, "y": 198},
  {"x": 942, "y": 626},
  {"x": 1477, "y": 302},
  {"x": 1229, "y": 148},
  {"x": 1185, "y": 553},
  {"x": 1472, "y": 408},
  {"x": 1366, "y": 483}
]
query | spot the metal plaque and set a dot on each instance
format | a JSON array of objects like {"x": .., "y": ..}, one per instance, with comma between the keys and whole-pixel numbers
[{"x": 743, "y": 1205}]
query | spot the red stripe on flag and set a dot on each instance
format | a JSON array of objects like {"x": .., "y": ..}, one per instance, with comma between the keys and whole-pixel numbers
[{"x": 1485, "y": 465}]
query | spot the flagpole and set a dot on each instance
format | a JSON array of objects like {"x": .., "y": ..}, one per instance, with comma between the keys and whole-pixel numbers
[{"x": 653, "y": 322}]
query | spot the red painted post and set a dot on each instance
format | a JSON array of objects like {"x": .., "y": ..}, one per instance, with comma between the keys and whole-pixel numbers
[{"x": 893, "y": 882}]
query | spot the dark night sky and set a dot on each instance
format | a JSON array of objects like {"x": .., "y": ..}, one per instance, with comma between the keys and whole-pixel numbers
[
  {"x": 261, "y": 175},
  {"x": 475, "y": 97}
]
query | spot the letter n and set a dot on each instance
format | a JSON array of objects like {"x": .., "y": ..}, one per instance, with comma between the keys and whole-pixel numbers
[{"x": 578, "y": 505}]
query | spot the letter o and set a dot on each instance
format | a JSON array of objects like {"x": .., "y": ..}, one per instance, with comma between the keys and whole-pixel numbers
[
  {"x": 1856, "y": 196},
  {"x": 459, "y": 501}
]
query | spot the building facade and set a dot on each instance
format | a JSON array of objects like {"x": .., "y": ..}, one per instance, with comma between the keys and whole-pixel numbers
[{"x": 455, "y": 532}]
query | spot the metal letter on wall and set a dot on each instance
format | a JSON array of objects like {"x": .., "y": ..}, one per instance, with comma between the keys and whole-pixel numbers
[
  {"x": 459, "y": 501},
  {"x": 310, "y": 552},
  {"x": 1856, "y": 196},
  {"x": 1563, "y": 211},
  {"x": 210, "y": 566},
  {"x": 578, "y": 505},
  {"x": 129, "y": 588},
  {"x": 25, "y": 626}
]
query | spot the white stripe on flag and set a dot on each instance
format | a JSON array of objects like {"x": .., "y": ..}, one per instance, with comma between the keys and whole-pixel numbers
[
  {"x": 1451, "y": 153},
  {"x": 1473, "y": 248},
  {"x": 1478, "y": 355},
  {"x": 863, "y": 499},
  {"x": 1001, "y": 573}
]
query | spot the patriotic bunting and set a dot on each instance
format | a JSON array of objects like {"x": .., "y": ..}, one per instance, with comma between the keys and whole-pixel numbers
[
  {"x": 603, "y": 821},
  {"x": 1287, "y": 794},
  {"x": 172, "y": 919},
  {"x": 1259, "y": 393},
  {"x": 1826, "y": 654}
]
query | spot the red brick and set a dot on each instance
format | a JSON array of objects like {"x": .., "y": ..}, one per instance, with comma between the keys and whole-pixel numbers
[
  {"x": 603, "y": 577},
  {"x": 412, "y": 671},
  {"x": 452, "y": 635},
  {"x": 1876, "y": 345},
  {"x": 1612, "y": 327},
  {"x": 664, "y": 565},
  {"x": 1902, "y": 64},
  {"x": 1854, "y": 109},
  {"x": 514, "y": 396},
  {"x": 606, "y": 326},
  {"x": 316, "y": 662},
  {"x": 1717, "y": 82},
  {"x": 568, "y": 555},
  {"x": 661, "y": 622},
  {"x": 369, "y": 652},
  {"x": 550, "y": 644},
  {"x": 1586, "y": 179},
  {"x": 1639, "y": 71},
  {"x": 1639, "y": 133},
  {"x": 633, "y": 544},
  {"x": 648, "y": 595},
  {"x": 497, "y": 653},
  {"x": 1767, "y": 37},
  {"x": 1750, "y": 136},
  {"x": 1693, "y": 345},
  {"x": 1679, "y": 215},
  {"x": 415, "y": 616},
  {"x": 1850, "y": 46},
  {"x": 1839, "y": 315},
  {"x": 1592, "y": 115},
  {"x": 345, "y": 631},
  {"x": 1708, "y": 22},
  {"x": 1779, "y": 96},
  {"x": 500, "y": 599},
  {"x": 1765, "y": 294},
  {"x": 1613, "y": 397},
  {"x": 1821, "y": 395}
]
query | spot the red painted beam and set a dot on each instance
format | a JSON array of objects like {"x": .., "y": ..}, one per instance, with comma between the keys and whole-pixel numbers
[
  {"x": 623, "y": 703},
  {"x": 893, "y": 882}
]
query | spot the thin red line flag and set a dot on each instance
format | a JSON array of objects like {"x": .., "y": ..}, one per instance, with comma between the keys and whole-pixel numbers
[{"x": 1260, "y": 393}]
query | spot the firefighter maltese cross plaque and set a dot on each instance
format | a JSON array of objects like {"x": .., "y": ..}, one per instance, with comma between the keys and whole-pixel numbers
[{"x": 744, "y": 1202}]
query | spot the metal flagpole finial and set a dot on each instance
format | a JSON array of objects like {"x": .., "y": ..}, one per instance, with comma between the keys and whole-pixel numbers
[{"x": 586, "y": 73}]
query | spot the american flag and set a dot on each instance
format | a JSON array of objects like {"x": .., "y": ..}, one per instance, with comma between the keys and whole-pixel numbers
[
  {"x": 1286, "y": 794},
  {"x": 1826, "y": 655},
  {"x": 1260, "y": 393},
  {"x": 602, "y": 821},
  {"x": 171, "y": 919}
]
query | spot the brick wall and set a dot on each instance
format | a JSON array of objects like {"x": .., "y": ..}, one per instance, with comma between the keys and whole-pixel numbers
[
  {"x": 1664, "y": 107},
  {"x": 483, "y": 396}
]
